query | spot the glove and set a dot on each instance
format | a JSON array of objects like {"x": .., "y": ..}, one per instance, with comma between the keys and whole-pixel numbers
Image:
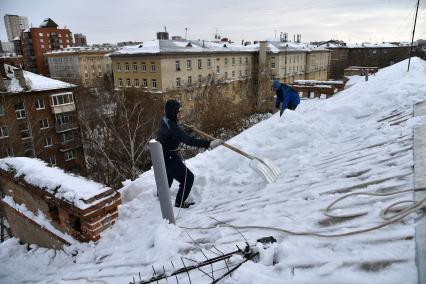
[
  {"x": 215, "y": 143},
  {"x": 281, "y": 112}
]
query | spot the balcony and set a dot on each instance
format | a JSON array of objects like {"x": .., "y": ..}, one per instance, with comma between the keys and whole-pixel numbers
[
  {"x": 62, "y": 127},
  {"x": 63, "y": 108}
]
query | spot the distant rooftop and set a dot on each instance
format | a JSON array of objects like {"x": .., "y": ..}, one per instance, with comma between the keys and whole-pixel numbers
[
  {"x": 202, "y": 46},
  {"x": 48, "y": 23},
  {"x": 80, "y": 49}
]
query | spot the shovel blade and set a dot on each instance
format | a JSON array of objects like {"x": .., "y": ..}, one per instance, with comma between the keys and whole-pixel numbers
[{"x": 266, "y": 169}]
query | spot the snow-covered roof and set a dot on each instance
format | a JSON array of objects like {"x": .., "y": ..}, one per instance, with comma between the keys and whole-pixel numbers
[
  {"x": 71, "y": 188},
  {"x": 82, "y": 49},
  {"x": 371, "y": 45},
  {"x": 360, "y": 140},
  {"x": 33, "y": 81},
  {"x": 191, "y": 46}
]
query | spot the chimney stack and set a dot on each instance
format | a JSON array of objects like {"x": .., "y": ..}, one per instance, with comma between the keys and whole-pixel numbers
[{"x": 19, "y": 75}]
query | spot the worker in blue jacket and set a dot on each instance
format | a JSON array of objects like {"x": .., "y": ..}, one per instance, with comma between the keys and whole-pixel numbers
[
  {"x": 286, "y": 97},
  {"x": 171, "y": 135}
]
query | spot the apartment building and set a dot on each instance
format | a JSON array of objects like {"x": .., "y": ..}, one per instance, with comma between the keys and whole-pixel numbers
[
  {"x": 35, "y": 42},
  {"x": 161, "y": 66},
  {"x": 80, "y": 40},
  {"x": 80, "y": 65},
  {"x": 38, "y": 119},
  {"x": 15, "y": 25},
  {"x": 366, "y": 54}
]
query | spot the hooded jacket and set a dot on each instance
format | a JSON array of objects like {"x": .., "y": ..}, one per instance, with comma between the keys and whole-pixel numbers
[
  {"x": 286, "y": 95},
  {"x": 170, "y": 134}
]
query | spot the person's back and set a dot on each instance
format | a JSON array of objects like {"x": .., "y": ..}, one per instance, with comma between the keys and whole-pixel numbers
[{"x": 286, "y": 96}]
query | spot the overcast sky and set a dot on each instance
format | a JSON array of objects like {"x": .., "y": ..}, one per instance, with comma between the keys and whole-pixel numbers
[{"x": 138, "y": 20}]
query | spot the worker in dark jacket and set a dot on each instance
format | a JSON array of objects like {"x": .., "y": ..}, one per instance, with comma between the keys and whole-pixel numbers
[
  {"x": 170, "y": 134},
  {"x": 287, "y": 97}
]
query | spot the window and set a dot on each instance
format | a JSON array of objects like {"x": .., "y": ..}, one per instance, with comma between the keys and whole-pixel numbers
[
  {"x": 217, "y": 69},
  {"x": 200, "y": 64},
  {"x": 40, "y": 104},
  {"x": 247, "y": 60},
  {"x": 52, "y": 162},
  {"x": 189, "y": 80},
  {"x": 128, "y": 84},
  {"x": 209, "y": 63},
  {"x": 67, "y": 137},
  {"x": 273, "y": 65},
  {"x": 118, "y": 67},
  {"x": 40, "y": 34},
  {"x": 177, "y": 65},
  {"x": 44, "y": 123},
  {"x": 70, "y": 155},
  {"x": 177, "y": 82},
  {"x": 1, "y": 110},
  {"x": 135, "y": 67},
  {"x": 20, "y": 110},
  {"x": 126, "y": 67},
  {"x": 25, "y": 134},
  {"x": 154, "y": 83},
  {"x": 153, "y": 67},
  {"x": 226, "y": 75},
  {"x": 226, "y": 61},
  {"x": 240, "y": 60},
  {"x": 99, "y": 70},
  {"x": 120, "y": 82},
  {"x": 61, "y": 99},
  {"x": 199, "y": 80},
  {"x": 93, "y": 69},
  {"x": 144, "y": 83},
  {"x": 47, "y": 142},
  {"x": 143, "y": 67},
  {"x": 4, "y": 132},
  {"x": 233, "y": 74},
  {"x": 64, "y": 118},
  {"x": 246, "y": 72},
  {"x": 188, "y": 64},
  {"x": 137, "y": 83},
  {"x": 240, "y": 73},
  {"x": 233, "y": 61}
]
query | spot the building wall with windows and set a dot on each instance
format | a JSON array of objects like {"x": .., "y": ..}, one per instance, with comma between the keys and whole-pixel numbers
[
  {"x": 81, "y": 65},
  {"x": 41, "y": 123},
  {"x": 138, "y": 72}
]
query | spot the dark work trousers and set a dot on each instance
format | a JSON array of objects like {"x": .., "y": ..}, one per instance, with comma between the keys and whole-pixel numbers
[{"x": 176, "y": 169}]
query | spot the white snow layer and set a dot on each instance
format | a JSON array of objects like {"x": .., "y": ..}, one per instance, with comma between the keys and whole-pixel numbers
[
  {"x": 69, "y": 187},
  {"x": 360, "y": 140},
  {"x": 34, "y": 82}
]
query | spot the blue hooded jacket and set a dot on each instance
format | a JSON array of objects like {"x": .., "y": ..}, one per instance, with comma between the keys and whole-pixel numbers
[{"x": 285, "y": 95}]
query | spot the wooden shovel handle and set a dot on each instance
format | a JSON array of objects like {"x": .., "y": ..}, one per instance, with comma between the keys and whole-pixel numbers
[{"x": 224, "y": 144}]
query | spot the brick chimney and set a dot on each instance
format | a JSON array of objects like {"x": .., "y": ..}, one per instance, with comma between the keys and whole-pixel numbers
[{"x": 19, "y": 74}]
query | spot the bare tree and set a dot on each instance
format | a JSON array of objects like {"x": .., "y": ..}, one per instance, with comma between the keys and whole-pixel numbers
[{"x": 116, "y": 127}]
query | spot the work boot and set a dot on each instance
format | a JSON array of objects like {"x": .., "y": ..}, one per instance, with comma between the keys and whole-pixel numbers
[{"x": 184, "y": 205}]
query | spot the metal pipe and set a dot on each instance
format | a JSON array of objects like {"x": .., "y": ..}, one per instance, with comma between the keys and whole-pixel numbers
[{"x": 160, "y": 173}]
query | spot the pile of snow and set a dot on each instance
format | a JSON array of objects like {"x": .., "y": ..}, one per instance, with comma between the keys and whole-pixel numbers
[
  {"x": 358, "y": 140},
  {"x": 73, "y": 189}
]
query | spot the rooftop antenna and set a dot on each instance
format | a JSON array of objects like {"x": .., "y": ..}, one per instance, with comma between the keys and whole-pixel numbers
[
  {"x": 412, "y": 37},
  {"x": 186, "y": 32},
  {"x": 165, "y": 29}
]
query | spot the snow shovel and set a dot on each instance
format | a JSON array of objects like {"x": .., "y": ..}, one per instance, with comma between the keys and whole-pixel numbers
[{"x": 264, "y": 167}]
